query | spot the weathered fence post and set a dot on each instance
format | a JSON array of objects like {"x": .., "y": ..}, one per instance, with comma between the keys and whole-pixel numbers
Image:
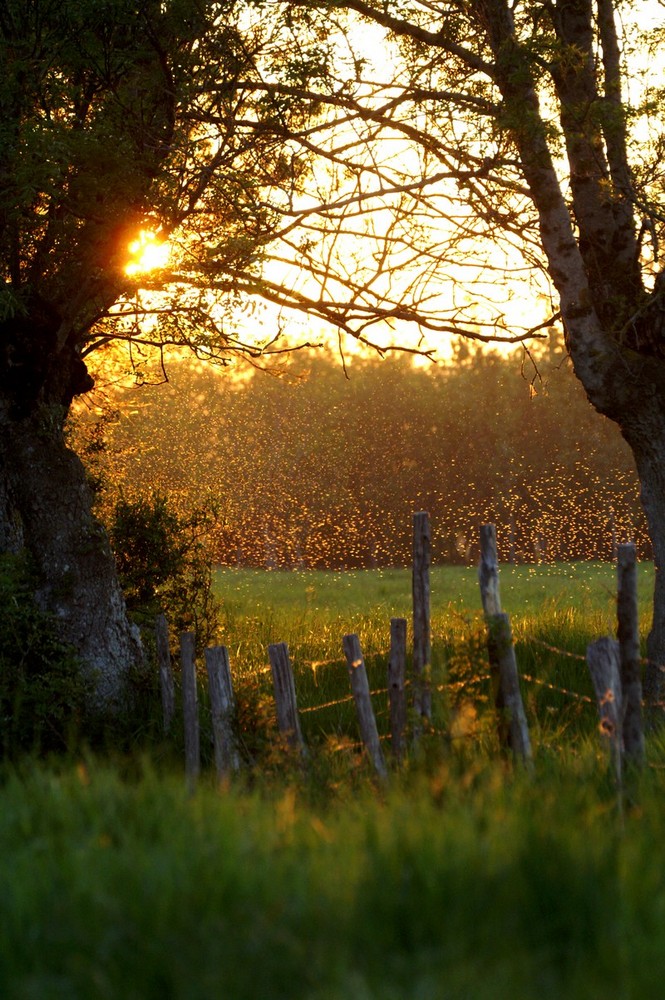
[
  {"x": 513, "y": 728},
  {"x": 422, "y": 646},
  {"x": 222, "y": 706},
  {"x": 511, "y": 719},
  {"x": 629, "y": 649},
  {"x": 488, "y": 580},
  {"x": 361, "y": 695},
  {"x": 488, "y": 571},
  {"x": 288, "y": 720},
  {"x": 604, "y": 662},
  {"x": 396, "y": 692},
  {"x": 165, "y": 672},
  {"x": 190, "y": 708}
]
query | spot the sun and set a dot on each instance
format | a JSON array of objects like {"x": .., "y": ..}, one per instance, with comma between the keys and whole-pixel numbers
[{"x": 148, "y": 252}]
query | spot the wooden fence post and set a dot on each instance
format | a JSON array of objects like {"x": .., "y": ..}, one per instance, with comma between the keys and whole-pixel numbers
[
  {"x": 288, "y": 720},
  {"x": 604, "y": 662},
  {"x": 165, "y": 672},
  {"x": 488, "y": 571},
  {"x": 222, "y": 705},
  {"x": 488, "y": 580},
  {"x": 361, "y": 695},
  {"x": 190, "y": 708},
  {"x": 396, "y": 692},
  {"x": 629, "y": 649},
  {"x": 511, "y": 719},
  {"x": 513, "y": 728},
  {"x": 422, "y": 646}
]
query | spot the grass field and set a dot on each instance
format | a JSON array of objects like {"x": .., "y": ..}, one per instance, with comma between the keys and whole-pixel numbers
[
  {"x": 477, "y": 889},
  {"x": 290, "y": 606},
  {"x": 356, "y": 593},
  {"x": 563, "y": 605},
  {"x": 463, "y": 880}
]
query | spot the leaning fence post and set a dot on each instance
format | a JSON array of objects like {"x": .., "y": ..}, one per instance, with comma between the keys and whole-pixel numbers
[
  {"x": 603, "y": 659},
  {"x": 513, "y": 728},
  {"x": 396, "y": 692},
  {"x": 190, "y": 708},
  {"x": 361, "y": 696},
  {"x": 422, "y": 646},
  {"x": 288, "y": 720},
  {"x": 629, "y": 649},
  {"x": 165, "y": 671},
  {"x": 222, "y": 705}
]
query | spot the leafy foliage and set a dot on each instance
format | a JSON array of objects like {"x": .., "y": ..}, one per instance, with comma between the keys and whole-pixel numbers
[
  {"x": 164, "y": 564},
  {"x": 42, "y": 691}
]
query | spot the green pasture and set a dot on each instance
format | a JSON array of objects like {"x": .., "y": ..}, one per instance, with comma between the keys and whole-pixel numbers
[
  {"x": 552, "y": 607},
  {"x": 351, "y": 598},
  {"x": 463, "y": 879}
]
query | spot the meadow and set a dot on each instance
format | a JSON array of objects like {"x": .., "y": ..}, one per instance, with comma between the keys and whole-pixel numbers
[
  {"x": 564, "y": 606},
  {"x": 462, "y": 880}
]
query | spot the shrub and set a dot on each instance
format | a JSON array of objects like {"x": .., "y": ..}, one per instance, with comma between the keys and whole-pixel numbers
[{"x": 164, "y": 565}]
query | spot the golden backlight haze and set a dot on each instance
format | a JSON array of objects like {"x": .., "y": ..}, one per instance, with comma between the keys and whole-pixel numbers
[{"x": 147, "y": 253}]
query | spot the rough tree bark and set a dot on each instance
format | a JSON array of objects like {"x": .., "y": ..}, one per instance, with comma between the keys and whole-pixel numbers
[
  {"x": 648, "y": 444},
  {"x": 46, "y": 510},
  {"x": 614, "y": 326}
]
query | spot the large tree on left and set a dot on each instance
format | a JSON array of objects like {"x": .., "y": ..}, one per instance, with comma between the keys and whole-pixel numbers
[
  {"x": 244, "y": 133},
  {"x": 104, "y": 130}
]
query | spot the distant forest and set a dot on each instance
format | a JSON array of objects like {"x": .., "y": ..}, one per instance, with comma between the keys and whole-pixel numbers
[{"x": 311, "y": 469}]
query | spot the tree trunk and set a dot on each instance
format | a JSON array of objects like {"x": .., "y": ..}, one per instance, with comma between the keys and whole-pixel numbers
[
  {"x": 647, "y": 440},
  {"x": 45, "y": 508},
  {"x": 614, "y": 327}
]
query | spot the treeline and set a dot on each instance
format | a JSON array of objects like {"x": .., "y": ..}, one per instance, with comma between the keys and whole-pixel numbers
[{"x": 314, "y": 470}]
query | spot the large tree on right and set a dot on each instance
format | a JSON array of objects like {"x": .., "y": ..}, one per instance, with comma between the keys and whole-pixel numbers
[{"x": 520, "y": 114}]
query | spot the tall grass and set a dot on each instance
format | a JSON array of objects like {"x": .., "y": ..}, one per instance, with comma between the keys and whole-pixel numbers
[
  {"x": 473, "y": 886},
  {"x": 462, "y": 879}
]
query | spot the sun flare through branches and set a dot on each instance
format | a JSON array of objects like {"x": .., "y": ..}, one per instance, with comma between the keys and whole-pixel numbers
[{"x": 148, "y": 252}]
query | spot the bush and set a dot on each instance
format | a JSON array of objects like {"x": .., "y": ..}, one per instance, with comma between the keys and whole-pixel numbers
[
  {"x": 164, "y": 565},
  {"x": 42, "y": 690}
]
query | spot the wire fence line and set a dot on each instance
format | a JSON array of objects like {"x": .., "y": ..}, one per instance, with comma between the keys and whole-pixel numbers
[
  {"x": 502, "y": 680},
  {"x": 455, "y": 686},
  {"x": 451, "y": 686}
]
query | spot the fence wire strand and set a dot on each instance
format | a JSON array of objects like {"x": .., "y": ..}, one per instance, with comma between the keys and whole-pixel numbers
[{"x": 454, "y": 686}]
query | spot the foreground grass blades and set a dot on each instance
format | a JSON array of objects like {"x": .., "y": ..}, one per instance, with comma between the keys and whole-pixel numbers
[
  {"x": 471, "y": 886},
  {"x": 462, "y": 880}
]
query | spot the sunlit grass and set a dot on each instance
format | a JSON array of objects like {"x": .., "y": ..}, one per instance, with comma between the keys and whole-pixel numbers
[
  {"x": 355, "y": 594},
  {"x": 556, "y": 610}
]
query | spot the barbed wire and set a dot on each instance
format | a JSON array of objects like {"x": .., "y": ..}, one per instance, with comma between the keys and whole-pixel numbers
[
  {"x": 457, "y": 686},
  {"x": 328, "y": 704},
  {"x": 645, "y": 661},
  {"x": 560, "y": 690},
  {"x": 340, "y": 701},
  {"x": 555, "y": 649}
]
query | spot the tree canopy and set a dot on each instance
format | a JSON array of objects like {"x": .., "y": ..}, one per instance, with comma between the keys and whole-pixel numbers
[
  {"x": 363, "y": 164},
  {"x": 257, "y": 140}
]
